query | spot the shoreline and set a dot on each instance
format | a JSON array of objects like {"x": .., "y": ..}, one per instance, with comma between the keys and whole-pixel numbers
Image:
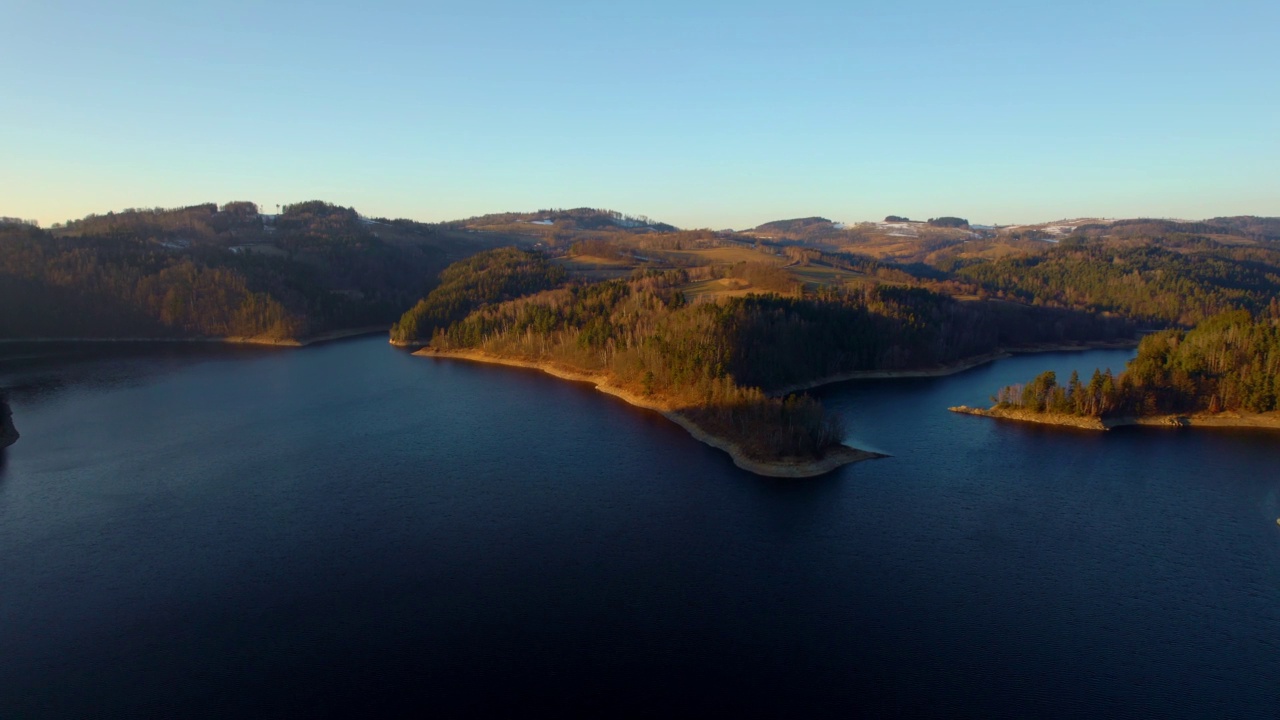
[
  {"x": 1073, "y": 347},
  {"x": 953, "y": 368},
  {"x": 1228, "y": 419},
  {"x": 231, "y": 340},
  {"x": 1078, "y": 422},
  {"x": 833, "y": 459}
]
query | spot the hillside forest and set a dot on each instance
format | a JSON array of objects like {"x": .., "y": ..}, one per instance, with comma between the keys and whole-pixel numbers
[
  {"x": 714, "y": 323},
  {"x": 1228, "y": 362},
  {"x": 205, "y": 271}
]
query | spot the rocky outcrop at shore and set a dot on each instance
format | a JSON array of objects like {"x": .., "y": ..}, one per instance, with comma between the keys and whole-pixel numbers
[{"x": 8, "y": 433}]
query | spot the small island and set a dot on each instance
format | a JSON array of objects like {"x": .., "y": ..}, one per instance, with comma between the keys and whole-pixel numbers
[{"x": 1222, "y": 373}]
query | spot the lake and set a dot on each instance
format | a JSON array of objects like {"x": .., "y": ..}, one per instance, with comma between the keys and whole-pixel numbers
[{"x": 213, "y": 531}]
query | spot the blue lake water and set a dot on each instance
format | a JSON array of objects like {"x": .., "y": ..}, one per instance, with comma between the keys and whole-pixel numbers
[{"x": 190, "y": 531}]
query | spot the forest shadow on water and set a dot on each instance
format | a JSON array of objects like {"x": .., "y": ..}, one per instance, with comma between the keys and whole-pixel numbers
[{"x": 39, "y": 371}]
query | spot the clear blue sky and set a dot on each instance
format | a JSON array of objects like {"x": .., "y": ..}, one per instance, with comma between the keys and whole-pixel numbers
[{"x": 703, "y": 114}]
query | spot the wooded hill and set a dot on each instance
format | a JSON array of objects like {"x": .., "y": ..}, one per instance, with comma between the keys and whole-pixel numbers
[
  {"x": 1155, "y": 280},
  {"x": 1173, "y": 280},
  {"x": 210, "y": 271},
  {"x": 490, "y": 277},
  {"x": 1229, "y": 362},
  {"x": 810, "y": 227},
  {"x": 716, "y": 361},
  {"x": 712, "y": 325},
  {"x": 205, "y": 271},
  {"x": 560, "y": 221}
]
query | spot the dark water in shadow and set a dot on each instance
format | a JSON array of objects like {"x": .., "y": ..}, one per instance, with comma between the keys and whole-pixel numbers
[{"x": 348, "y": 529}]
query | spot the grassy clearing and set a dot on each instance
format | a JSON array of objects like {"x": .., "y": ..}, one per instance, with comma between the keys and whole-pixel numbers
[
  {"x": 593, "y": 261},
  {"x": 819, "y": 276},
  {"x": 728, "y": 255},
  {"x": 990, "y": 250},
  {"x": 595, "y": 269},
  {"x": 719, "y": 288},
  {"x": 885, "y": 248}
]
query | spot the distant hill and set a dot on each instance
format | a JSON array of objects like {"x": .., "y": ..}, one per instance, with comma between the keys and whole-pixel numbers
[
  {"x": 796, "y": 227},
  {"x": 816, "y": 231},
  {"x": 1262, "y": 228},
  {"x": 317, "y": 267},
  {"x": 1245, "y": 227},
  {"x": 1248, "y": 228},
  {"x": 576, "y": 219}
]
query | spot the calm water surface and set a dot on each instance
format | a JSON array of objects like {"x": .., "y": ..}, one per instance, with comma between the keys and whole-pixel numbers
[{"x": 346, "y": 528}]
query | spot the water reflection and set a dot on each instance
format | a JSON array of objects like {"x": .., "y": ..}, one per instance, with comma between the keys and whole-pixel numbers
[
  {"x": 362, "y": 528},
  {"x": 39, "y": 372}
]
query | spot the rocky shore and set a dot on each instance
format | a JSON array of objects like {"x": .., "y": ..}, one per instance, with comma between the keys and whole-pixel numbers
[{"x": 790, "y": 468}]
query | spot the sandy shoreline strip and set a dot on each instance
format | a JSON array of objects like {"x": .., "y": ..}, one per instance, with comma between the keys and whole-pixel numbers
[
  {"x": 1269, "y": 421},
  {"x": 835, "y": 458},
  {"x": 1018, "y": 415}
]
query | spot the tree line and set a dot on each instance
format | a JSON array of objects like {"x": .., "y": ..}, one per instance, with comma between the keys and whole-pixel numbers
[
  {"x": 1178, "y": 282},
  {"x": 201, "y": 271},
  {"x": 1229, "y": 362},
  {"x": 718, "y": 361},
  {"x": 488, "y": 277}
]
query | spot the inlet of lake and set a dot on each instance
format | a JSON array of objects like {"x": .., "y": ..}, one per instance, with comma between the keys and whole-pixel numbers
[{"x": 348, "y": 530}]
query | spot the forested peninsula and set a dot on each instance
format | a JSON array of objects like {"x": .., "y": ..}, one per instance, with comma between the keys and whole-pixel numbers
[
  {"x": 718, "y": 330},
  {"x": 1224, "y": 372},
  {"x": 719, "y": 366}
]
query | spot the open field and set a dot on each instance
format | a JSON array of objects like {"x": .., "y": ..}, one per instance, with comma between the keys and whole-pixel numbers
[
  {"x": 820, "y": 276},
  {"x": 727, "y": 255},
  {"x": 596, "y": 269},
  {"x": 718, "y": 288}
]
